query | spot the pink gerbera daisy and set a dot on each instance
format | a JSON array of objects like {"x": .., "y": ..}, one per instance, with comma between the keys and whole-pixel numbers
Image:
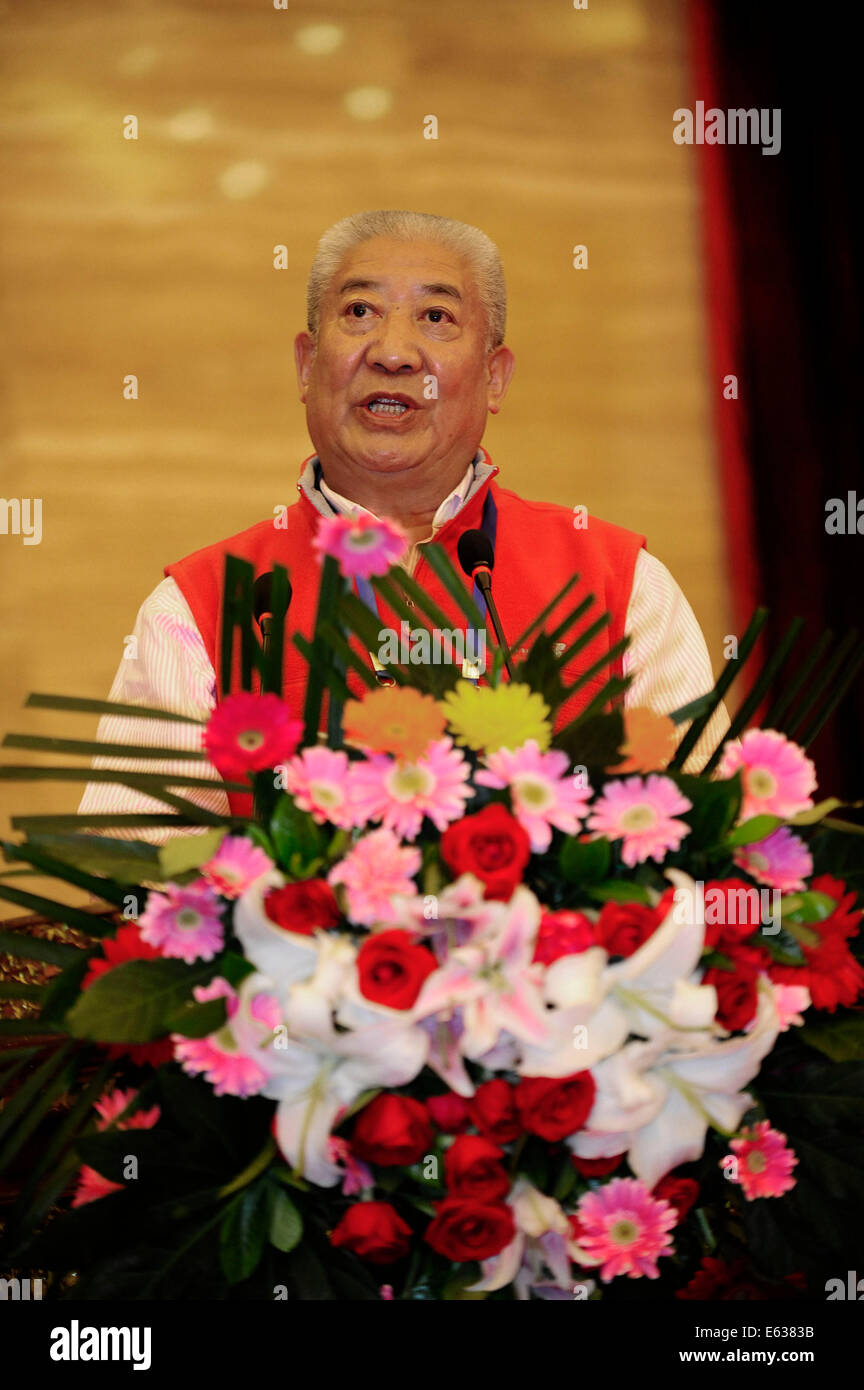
[
  {"x": 541, "y": 792},
  {"x": 219, "y": 1057},
  {"x": 400, "y": 793},
  {"x": 248, "y": 733},
  {"x": 236, "y": 865},
  {"x": 362, "y": 545},
  {"x": 764, "y": 1162},
  {"x": 320, "y": 782},
  {"x": 776, "y": 775},
  {"x": 640, "y": 811},
  {"x": 184, "y": 922},
  {"x": 376, "y": 869},
  {"x": 624, "y": 1228},
  {"x": 781, "y": 861},
  {"x": 113, "y": 1103}
]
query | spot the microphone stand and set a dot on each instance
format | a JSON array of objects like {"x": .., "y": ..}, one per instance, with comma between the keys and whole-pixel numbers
[{"x": 483, "y": 579}]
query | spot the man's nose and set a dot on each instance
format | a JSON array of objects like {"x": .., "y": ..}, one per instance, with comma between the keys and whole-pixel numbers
[{"x": 394, "y": 347}]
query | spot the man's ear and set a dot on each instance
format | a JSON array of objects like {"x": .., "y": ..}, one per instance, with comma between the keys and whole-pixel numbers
[
  {"x": 500, "y": 367},
  {"x": 304, "y": 356}
]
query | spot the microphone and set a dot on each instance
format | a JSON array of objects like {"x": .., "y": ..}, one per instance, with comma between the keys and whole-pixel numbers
[
  {"x": 262, "y": 603},
  {"x": 477, "y": 559}
]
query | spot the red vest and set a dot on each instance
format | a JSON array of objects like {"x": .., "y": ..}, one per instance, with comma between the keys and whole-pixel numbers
[{"x": 537, "y": 549}]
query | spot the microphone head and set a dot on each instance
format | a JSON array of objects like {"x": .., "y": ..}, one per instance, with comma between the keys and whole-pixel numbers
[
  {"x": 474, "y": 548},
  {"x": 261, "y": 591},
  {"x": 262, "y": 595}
]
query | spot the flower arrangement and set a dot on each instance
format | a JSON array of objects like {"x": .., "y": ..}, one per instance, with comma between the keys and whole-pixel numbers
[{"x": 469, "y": 1009}]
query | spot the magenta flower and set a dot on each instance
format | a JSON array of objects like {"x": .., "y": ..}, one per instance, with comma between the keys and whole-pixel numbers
[
  {"x": 777, "y": 776},
  {"x": 781, "y": 861},
  {"x": 362, "y": 545},
  {"x": 320, "y": 782},
  {"x": 224, "y": 1058},
  {"x": 236, "y": 865},
  {"x": 640, "y": 811},
  {"x": 184, "y": 922},
  {"x": 401, "y": 793},
  {"x": 624, "y": 1228},
  {"x": 541, "y": 792},
  {"x": 249, "y": 733},
  {"x": 376, "y": 869},
  {"x": 358, "y": 1175},
  {"x": 764, "y": 1162}
]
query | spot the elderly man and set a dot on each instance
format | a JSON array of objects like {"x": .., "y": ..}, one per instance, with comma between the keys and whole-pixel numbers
[{"x": 403, "y": 359}]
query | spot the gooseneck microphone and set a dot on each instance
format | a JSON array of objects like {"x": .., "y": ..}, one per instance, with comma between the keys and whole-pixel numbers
[
  {"x": 477, "y": 559},
  {"x": 262, "y": 600}
]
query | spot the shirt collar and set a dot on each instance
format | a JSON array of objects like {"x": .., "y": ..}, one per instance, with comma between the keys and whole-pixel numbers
[{"x": 452, "y": 503}]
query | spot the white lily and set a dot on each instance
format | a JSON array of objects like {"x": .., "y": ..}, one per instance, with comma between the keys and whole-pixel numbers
[
  {"x": 543, "y": 1242},
  {"x": 655, "y": 1101}
]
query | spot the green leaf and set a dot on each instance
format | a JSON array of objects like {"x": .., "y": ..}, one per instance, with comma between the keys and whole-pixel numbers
[
  {"x": 86, "y": 706},
  {"x": 757, "y": 828},
  {"x": 841, "y": 1039},
  {"x": 124, "y": 861},
  {"x": 286, "y": 1223},
  {"x": 593, "y": 740},
  {"x": 294, "y": 833},
  {"x": 244, "y": 1233},
  {"x": 186, "y": 852},
  {"x": 90, "y": 748},
  {"x": 198, "y": 1020},
  {"x": 820, "y": 811},
  {"x": 619, "y": 891},
  {"x": 135, "y": 1001},
  {"x": 54, "y": 911},
  {"x": 584, "y": 861},
  {"x": 714, "y": 809},
  {"x": 808, "y": 907}
]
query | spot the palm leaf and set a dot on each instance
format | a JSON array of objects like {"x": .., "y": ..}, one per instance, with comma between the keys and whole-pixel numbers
[
  {"x": 85, "y": 748},
  {"x": 86, "y": 706}
]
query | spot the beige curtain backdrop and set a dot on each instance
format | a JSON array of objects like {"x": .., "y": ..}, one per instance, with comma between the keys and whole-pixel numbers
[{"x": 257, "y": 127}]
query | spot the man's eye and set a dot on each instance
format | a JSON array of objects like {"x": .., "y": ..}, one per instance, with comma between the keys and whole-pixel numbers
[
  {"x": 442, "y": 315},
  {"x": 358, "y": 310}
]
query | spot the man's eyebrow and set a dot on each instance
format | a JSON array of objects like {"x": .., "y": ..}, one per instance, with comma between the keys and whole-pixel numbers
[{"x": 438, "y": 288}]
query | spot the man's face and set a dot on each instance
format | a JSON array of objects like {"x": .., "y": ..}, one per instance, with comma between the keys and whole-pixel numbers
[{"x": 400, "y": 320}]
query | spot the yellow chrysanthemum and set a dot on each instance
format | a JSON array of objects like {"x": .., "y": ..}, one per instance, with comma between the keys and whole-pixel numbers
[
  {"x": 393, "y": 719},
  {"x": 506, "y": 716}
]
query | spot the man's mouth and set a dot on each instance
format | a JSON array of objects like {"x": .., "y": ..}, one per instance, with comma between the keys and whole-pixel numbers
[{"x": 388, "y": 405}]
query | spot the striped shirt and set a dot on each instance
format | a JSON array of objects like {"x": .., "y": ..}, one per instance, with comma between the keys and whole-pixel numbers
[{"x": 166, "y": 665}]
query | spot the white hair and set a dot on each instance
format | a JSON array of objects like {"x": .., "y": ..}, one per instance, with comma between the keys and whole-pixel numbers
[{"x": 476, "y": 247}]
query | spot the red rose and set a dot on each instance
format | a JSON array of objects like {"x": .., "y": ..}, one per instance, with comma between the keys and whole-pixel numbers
[
  {"x": 392, "y": 967},
  {"x": 563, "y": 934},
  {"x": 716, "y": 1281},
  {"x": 465, "y": 1229},
  {"x": 301, "y": 907},
  {"x": 492, "y": 845},
  {"x": 392, "y": 1131},
  {"x": 493, "y": 1110},
  {"x": 449, "y": 1112},
  {"x": 375, "y": 1231},
  {"x": 738, "y": 989},
  {"x": 737, "y": 997},
  {"x": 472, "y": 1168},
  {"x": 595, "y": 1167},
  {"x": 623, "y": 927},
  {"x": 680, "y": 1193},
  {"x": 555, "y": 1108},
  {"x": 733, "y": 912}
]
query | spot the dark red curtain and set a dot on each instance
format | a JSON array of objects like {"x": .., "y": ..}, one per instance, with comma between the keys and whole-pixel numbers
[{"x": 782, "y": 240}]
